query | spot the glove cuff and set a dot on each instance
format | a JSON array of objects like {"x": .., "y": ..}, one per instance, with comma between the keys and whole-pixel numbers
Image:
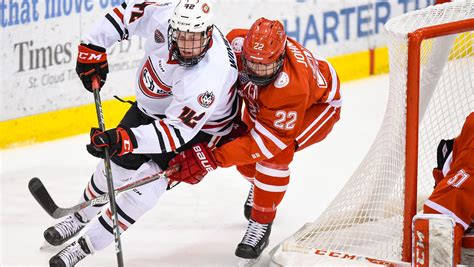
[
  {"x": 95, "y": 47},
  {"x": 129, "y": 142},
  {"x": 88, "y": 55}
]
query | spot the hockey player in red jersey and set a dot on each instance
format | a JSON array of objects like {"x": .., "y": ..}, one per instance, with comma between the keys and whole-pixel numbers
[
  {"x": 292, "y": 100},
  {"x": 454, "y": 185},
  {"x": 178, "y": 104}
]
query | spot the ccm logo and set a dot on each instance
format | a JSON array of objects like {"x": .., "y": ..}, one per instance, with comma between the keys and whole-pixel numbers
[
  {"x": 420, "y": 249},
  {"x": 202, "y": 158},
  {"x": 90, "y": 56}
]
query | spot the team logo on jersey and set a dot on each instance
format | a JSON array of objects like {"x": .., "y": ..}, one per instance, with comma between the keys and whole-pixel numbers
[
  {"x": 159, "y": 38},
  {"x": 205, "y": 8},
  {"x": 237, "y": 44},
  {"x": 206, "y": 99},
  {"x": 150, "y": 83},
  {"x": 282, "y": 80}
]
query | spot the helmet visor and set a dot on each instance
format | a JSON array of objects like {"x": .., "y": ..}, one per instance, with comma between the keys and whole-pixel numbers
[{"x": 262, "y": 74}]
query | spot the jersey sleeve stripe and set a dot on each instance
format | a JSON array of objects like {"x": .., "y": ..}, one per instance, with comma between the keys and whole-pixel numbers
[
  {"x": 116, "y": 25},
  {"x": 119, "y": 14},
  {"x": 272, "y": 172},
  {"x": 160, "y": 137},
  {"x": 166, "y": 138},
  {"x": 317, "y": 120},
  {"x": 260, "y": 144},
  {"x": 334, "y": 82},
  {"x": 437, "y": 207},
  {"x": 168, "y": 134},
  {"x": 334, "y": 79},
  {"x": 301, "y": 142},
  {"x": 270, "y": 188},
  {"x": 447, "y": 164},
  {"x": 269, "y": 135},
  {"x": 179, "y": 136}
]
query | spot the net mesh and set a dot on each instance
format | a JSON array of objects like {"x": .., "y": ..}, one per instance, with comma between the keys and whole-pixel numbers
[{"x": 366, "y": 217}]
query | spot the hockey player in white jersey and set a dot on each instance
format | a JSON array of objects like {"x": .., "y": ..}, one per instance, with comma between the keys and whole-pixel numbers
[{"x": 185, "y": 95}]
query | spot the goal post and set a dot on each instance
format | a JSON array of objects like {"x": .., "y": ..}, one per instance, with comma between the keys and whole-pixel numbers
[
  {"x": 415, "y": 40},
  {"x": 431, "y": 93}
]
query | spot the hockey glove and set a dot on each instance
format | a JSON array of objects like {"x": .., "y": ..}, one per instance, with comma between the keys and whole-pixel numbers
[
  {"x": 444, "y": 150},
  {"x": 194, "y": 164},
  {"x": 91, "y": 61},
  {"x": 120, "y": 141}
]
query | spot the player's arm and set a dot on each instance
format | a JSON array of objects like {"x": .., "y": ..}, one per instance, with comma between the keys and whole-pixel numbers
[
  {"x": 276, "y": 128},
  {"x": 326, "y": 78},
  {"x": 132, "y": 17}
]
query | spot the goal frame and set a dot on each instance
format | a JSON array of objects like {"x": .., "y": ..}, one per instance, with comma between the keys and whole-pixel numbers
[{"x": 415, "y": 40}]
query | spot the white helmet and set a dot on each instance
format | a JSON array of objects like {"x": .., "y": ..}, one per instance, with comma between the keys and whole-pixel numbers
[{"x": 192, "y": 16}]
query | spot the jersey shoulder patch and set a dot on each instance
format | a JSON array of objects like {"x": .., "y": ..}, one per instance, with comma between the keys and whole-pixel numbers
[{"x": 281, "y": 80}]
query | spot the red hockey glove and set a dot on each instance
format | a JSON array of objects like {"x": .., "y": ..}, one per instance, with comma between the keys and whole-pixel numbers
[
  {"x": 91, "y": 61},
  {"x": 120, "y": 141},
  {"x": 194, "y": 164}
]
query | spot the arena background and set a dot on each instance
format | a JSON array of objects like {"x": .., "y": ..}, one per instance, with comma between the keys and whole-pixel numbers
[{"x": 42, "y": 98}]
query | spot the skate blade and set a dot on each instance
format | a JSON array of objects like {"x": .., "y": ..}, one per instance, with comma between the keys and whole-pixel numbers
[
  {"x": 46, "y": 245},
  {"x": 247, "y": 262}
]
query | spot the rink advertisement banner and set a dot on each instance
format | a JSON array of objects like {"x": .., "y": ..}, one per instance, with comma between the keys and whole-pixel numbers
[{"x": 39, "y": 40}]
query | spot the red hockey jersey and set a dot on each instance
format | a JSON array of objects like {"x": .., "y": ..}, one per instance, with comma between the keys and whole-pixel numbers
[{"x": 276, "y": 112}]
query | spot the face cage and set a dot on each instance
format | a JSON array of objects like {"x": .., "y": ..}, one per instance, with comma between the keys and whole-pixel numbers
[
  {"x": 190, "y": 61},
  {"x": 263, "y": 80}
]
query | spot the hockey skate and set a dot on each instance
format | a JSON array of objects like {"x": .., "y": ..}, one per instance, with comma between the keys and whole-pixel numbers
[
  {"x": 63, "y": 231},
  {"x": 248, "y": 204},
  {"x": 72, "y": 254},
  {"x": 255, "y": 240}
]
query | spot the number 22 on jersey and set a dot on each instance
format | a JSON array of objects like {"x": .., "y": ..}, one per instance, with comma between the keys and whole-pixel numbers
[{"x": 285, "y": 120}]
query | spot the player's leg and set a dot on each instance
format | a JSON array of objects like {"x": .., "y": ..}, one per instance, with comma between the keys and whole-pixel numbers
[
  {"x": 455, "y": 201},
  {"x": 131, "y": 205},
  {"x": 122, "y": 168},
  {"x": 272, "y": 177},
  {"x": 271, "y": 180},
  {"x": 467, "y": 251},
  {"x": 248, "y": 172}
]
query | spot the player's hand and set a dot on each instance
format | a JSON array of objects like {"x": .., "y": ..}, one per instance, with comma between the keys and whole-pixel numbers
[
  {"x": 91, "y": 61},
  {"x": 193, "y": 163},
  {"x": 119, "y": 140}
]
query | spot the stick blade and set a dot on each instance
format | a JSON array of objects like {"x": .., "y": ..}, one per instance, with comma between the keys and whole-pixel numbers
[{"x": 42, "y": 196}]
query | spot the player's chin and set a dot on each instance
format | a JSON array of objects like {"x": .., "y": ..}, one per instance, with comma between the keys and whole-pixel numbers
[{"x": 189, "y": 55}]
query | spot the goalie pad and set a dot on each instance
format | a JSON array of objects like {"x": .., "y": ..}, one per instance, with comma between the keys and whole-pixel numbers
[
  {"x": 467, "y": 255},
  {"x": 433, "y": 240}
]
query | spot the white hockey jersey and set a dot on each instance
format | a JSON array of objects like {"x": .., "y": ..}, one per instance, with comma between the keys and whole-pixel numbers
[{"x": 187, "y": 99}]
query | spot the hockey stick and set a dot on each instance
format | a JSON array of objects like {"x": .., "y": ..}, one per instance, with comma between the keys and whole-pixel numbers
[
  {"x": 42, "y": 196},
  {"x": 108, "y": 172}
]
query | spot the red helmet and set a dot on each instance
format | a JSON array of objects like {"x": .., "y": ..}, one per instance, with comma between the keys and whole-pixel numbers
[{"x": 264, "y": 44}]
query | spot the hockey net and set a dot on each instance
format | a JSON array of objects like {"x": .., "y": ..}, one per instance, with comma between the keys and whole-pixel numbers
[{"x": 371, "y": 216}]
